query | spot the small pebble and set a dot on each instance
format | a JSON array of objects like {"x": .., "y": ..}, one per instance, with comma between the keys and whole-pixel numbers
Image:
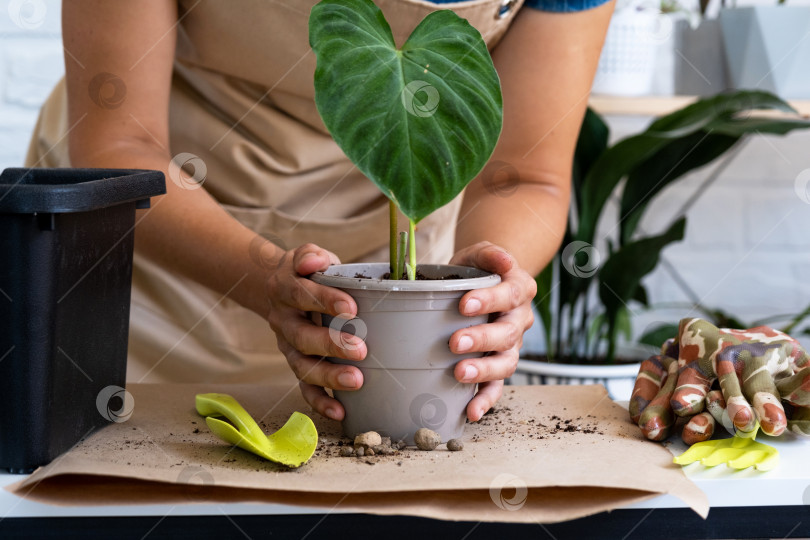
[
  {"x": 360, "y": 451},
  {"x": 370, "y": 452},
  {"x": 426, "y": 439},
  {"x": 400, "y": 445},
  {"x": 455, "y": 445},
  {"x": 346, "y": 451},
  {"x": 368, "y": 439}
]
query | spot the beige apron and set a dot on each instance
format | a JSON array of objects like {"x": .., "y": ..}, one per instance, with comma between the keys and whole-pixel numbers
[{"x": 242, "y": 100}]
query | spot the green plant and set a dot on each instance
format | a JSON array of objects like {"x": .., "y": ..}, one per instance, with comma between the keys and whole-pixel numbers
[
  {"x": 583, "y": 305},
  {"x": 421, "y": 120},
  {"x": 791, "y": 324}
]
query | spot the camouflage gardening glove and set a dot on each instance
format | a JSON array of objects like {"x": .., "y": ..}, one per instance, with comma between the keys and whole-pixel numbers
[
  {"x": 755, "y": 370},
  {"x": 650, "y": 405}
]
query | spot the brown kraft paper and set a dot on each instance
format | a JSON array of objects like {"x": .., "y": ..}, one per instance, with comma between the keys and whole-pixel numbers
[{"x": 547, "y": 454}]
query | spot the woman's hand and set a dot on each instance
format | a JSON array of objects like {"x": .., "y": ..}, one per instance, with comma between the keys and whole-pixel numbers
[
  {"x": 510, "y": 306},
  {"x": 305, "y": 344}
]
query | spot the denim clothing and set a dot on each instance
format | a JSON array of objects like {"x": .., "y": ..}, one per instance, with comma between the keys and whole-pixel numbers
[{"x": 559, "y": 6}]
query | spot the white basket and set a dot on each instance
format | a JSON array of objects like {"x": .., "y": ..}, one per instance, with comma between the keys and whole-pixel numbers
[{"x": 627, "y": 64}]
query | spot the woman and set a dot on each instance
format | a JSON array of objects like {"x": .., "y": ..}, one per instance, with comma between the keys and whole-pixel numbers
[{"x": 224, "y": 91}]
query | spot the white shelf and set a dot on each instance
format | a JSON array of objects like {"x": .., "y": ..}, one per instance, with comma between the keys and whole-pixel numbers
[{"x": 662, "y": 105}]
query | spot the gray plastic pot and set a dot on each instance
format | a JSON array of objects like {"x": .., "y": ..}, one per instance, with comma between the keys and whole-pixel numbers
[
  {"x": 406, "y": 325},
  {"x": 700, "y": 63}
]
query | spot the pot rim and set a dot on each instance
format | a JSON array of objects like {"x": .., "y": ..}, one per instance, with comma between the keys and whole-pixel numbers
[
  {"x": 472, "y": 278},
  {"x": 578, "y": 370}
]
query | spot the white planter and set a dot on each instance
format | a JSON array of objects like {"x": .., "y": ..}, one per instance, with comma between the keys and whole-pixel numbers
[
  {"x": 618, "y": 379},
  {"x": 667, "y": 52},
  {"x": 627, "y": 66},
  {"x": 767, "y": 48}
]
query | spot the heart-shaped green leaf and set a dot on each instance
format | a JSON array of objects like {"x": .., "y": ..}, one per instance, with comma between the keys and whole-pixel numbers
[{"x": 419, "y": 121}]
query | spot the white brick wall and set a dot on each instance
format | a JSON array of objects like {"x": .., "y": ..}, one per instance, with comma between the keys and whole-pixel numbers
[
  {"x": 31, "y": 62},
  {"x": 747, "y": 247}
]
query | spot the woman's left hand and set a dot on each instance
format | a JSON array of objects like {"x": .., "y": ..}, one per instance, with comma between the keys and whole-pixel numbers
[{"x": 510, "y": 306}]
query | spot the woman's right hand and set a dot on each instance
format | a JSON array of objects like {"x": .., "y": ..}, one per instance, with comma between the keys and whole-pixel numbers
[{"x": 291, "y": 296}]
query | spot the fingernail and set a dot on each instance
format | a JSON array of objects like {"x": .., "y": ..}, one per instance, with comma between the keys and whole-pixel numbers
[
  {"x": 481, "y": 412},
  {"x": 352, "y": 341},
  {"x": 347, "y": 380},
  {"x": 464, "y": 344},
  {"x": 332, "y": 413},
  {"x": 307, "y": 256},
  {"x": 472, "y": 306},
  {"x": 342, "y": 307},
  {"x": 470, "y": 373}
]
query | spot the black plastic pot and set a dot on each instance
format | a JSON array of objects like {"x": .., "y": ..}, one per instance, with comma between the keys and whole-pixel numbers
[{"x": 66, "y": 242}]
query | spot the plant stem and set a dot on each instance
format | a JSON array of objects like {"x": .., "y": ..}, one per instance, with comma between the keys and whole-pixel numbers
[
  {"x": 558, "y": 320},
  {"x": 570, "y": 342},
  {"x": 411, "y": 249},
  {"x": 403, "y": 242},
  {"x": 796, "y": 320},
  {"x": 392, "y": 239},
  {"x": 583, "y": 328},
  {"x": 611, "y": 350}
]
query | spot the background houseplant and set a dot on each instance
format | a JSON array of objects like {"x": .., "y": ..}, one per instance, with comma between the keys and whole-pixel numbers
[
  {"x": 584, "y": 294},
  {"x": 420, "y": 121}
]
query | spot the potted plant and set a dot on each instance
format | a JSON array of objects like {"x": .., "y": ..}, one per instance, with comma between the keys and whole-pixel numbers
[
  {"x": 766, "y": 48},
  {"x": 584, "y": 295},
  {"x": 420, "y": 121},
  {"x": 788, "y": 323}
]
